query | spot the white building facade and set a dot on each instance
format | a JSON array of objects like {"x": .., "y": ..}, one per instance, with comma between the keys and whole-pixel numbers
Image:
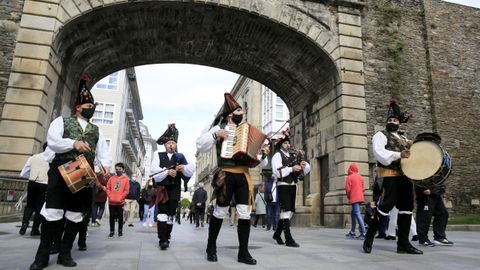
[{"x": 150, "y": 148}]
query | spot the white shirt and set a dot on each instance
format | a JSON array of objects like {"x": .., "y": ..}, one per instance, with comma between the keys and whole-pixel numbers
[
  {"x": 206, "y": 141},
  {"x": 188, "y": 170},
  {"x": 384, "y": 156},
  {"x": 58, "y": 144},
  {"x": 277, "y": 164}
]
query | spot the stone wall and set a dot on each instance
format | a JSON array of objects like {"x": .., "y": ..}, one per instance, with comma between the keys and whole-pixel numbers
[
  {"x": 425, "y": 54},
  {"x": 10, "y": 15}
]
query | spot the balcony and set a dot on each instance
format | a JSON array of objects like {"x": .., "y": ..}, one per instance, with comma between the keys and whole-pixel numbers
[
  {"x": 130, "y": 146},
  {"x": 133, "y": 121}
]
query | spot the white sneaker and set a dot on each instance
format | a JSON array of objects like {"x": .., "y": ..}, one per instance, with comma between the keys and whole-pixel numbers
[
  {"x": 144, "y": 224},
  {"x": 150, "y": 225},
  {"x": 98, "y": 222},
  {"x": 443, "y": 242}
]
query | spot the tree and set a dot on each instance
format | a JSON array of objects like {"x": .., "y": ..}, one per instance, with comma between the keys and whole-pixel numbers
[{"x": 184, "y": 203}]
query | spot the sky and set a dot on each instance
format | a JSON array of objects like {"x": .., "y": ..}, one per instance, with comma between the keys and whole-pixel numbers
[{"x": 189, "y": 96}]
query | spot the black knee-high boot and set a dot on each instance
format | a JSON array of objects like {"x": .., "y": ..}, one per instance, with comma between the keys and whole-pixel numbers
[
  {"x": 27, "y": 214},
  {"x": 213, "y": 231},
  {"x": 372, "y": 230},
  {"x": 278, "y": 233},
  {"x": 49, "y": 230},
  {"x": 403, "y": 245},
  {"x": 243, "y": 231},
  {"x": 82, "y": 236},
  {"x": 65, "y": 256},
  {"x": 288, "y": 235},
  {"x": 162, "y": 233},
  {"x": 37, "y": 219}
]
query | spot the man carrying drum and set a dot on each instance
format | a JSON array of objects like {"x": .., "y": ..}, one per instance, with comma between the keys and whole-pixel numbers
[
  {"x": 389, "y": 147},
  {"x": 69, "y": 137}
]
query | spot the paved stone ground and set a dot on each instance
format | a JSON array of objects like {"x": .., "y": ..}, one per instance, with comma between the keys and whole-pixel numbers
[{"x": 321, "y": 248}]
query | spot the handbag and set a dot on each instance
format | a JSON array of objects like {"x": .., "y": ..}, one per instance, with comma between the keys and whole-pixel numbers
[{"x": 269, "y": 196}]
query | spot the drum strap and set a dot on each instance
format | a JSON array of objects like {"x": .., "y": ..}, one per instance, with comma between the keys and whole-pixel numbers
[{"x": 386, "y": 172}]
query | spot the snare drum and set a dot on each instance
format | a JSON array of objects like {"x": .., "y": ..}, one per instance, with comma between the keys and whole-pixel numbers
[
  {"x": 77, "y": 174},
  {"x": 429, "y": 164}
]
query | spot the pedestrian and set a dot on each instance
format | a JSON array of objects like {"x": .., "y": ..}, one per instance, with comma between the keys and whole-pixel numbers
[
  {"x": 169, "y": 168},
  {"x": 260, "y": 206},
  {"x": 199, "y": 199},
  {"x": 100, "y": 200},
  {"x": 273, "y": 207},
  {"x": 354, "y": 189},
  {"x": 289, "y": 167},
  {"x": 391, "y": 232},
  {"x": 131, "y": 204},
  {"x": 232, "y": 181},
  {"x": 148, "y": 194},
  {"x": 430, "y": 203},
  {"x": 389, "y": 146},
  {"x": 69, "y": 137},
  {"x": 117, "y": 191},
  {"x": 35, "y": 170}
]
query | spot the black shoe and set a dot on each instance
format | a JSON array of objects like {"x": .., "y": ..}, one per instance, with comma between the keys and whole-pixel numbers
[
  {"x": 380, "y": 236},
  {"x": 212, "y": 257},
  {"x": 67, "y": 262},
  {"x": 130, "y": 225},
  {"x": 367, "y": 248},
  {"x": 35, "y": 232},
  {"x": 82, "y": 246},
  {"x": 23, "y": 229},
  {"x": 110, "y": 235},
  {"x": 120, "y": 234},
  {"x": 38, "y": 265},
  {"x": 163, "y": 245},
  {"x": 408, "y": 250},
  {"x": 247, "y": 260},
  {"x": 414, "y": 238},
  {"x": 279, "y": 240},
  {"x": 292, "y": 244},
  {"x": 389, "y": 237}
]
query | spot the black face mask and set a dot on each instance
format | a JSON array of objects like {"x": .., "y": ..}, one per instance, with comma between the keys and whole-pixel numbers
[
  {"x": 391, "y": 127},
  {"x": 237, "y": 118},
  {"x": 88, "y": 113}
]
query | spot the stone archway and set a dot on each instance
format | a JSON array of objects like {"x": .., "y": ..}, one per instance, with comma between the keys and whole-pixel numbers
[{"x": 309, "y": 52}]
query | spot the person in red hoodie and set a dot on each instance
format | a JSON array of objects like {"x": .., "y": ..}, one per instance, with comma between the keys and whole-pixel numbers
[
  {"x": 117, "y": 191},
  {"x": 354, "y": 189}
]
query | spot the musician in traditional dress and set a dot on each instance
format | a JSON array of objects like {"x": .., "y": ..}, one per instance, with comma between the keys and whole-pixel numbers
[
  {"x": 389, "y": 147},
  {"x": 233, "y": 179},
  {"x": 288, "y": 169},
  {"x": 69, "y": 137},
  {"x": 169, "y": 169}
]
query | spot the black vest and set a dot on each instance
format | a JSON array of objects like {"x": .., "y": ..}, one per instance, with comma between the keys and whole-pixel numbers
[
  {"x": 165, "y": 162},
  {"x": 288, "y": 162},
  {"x": 393, "y": 144}
]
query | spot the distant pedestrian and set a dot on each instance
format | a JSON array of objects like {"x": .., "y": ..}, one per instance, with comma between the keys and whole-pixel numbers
[
  {"x": 130, "y": 207},
  {"x": 100, "y": 200},
  {"x": 354, "y": 189},
  {"x": 273, "y": 207},
  {"x": 117, "y": 191},
  {"x": 199, "y": 199},
  {"x": 260, "y": 206},
  {"x": 148, "y": 194}
]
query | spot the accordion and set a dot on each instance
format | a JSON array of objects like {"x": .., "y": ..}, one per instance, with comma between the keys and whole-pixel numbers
[{"x": 243, "y": 144}]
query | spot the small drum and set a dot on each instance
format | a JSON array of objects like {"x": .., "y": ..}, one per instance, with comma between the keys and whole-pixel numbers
[
  {"x": 77, "y": 174},
  {"x": 429, "y": 164}
]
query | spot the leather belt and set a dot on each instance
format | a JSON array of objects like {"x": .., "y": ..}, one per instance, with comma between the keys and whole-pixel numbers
[{"x": 385, "y": 172}]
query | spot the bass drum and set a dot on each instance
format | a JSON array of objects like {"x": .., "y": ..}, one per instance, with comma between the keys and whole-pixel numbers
[{"x": 429, "y": 164}]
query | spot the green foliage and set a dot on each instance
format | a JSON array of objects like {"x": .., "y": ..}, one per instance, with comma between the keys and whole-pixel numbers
[
  {"x": 184, "y": 203},
  {"x": 463, "y": 219}
]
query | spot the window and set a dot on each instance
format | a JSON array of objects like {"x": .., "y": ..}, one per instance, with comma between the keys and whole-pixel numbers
[
  {"x": 110, "y": 82},
  {"x": 104, "y": 114},
  {"x": 279, "y": 111}
]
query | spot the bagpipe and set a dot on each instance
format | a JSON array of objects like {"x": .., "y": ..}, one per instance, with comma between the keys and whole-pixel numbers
[{"x": 179, "y": 160}]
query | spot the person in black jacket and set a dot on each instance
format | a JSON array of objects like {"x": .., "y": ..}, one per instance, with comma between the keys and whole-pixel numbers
[
  {"x": 199, "y": 199},
  {"x": 130, "y": 206},
  {"x": 430, "y": 203}
]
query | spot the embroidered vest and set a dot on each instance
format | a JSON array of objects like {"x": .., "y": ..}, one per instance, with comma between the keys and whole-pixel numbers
[
  {"x": 165, "y": 162},
  {"x": 287, "y": 162},
  {"x": 73, "y": 130},
  {"x": 393, "y": 144}
]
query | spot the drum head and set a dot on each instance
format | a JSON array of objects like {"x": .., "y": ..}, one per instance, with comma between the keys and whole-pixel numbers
[{"x": 425, "y": 160}]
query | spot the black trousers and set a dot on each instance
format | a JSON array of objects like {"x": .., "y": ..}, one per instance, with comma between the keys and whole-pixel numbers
[
  {"x": 116, "y": 212},
  {"x": 287, "y": 195},
  {"x": 236, "y": 185},
  {"x": 426, "y": 208},
  {"x": 199, "y": 215},
  {"x": 397, "y": 191},
  {"x": 35, "y": 199}
]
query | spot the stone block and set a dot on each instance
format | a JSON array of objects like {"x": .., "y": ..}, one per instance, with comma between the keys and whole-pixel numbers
[
  {"x": 13, "y": 163},
  {"x": 235, "y": 3},
  {"x": 324, "y": 37},
  {"x": 351, "y": 53},
  {"x": 40, "y": 8},
  {"x": 26, "y": 96},
  {"x": 71, "y": 9},
  {"x": 21, "y": 129},
  {"x": 344, "y": 18},
  {"x": 351, "y": 42},
  {"x": 355, "y": 141},
  {"x": 363, "y": 169},
  {"x": 23, "y": 112},
  {"x": 330, "y": 46},
  {"x": 350, "y": 30},
  {"x": 83, "y": 5},
  {"x": 350, "y": 102},
  {"x": 351, "y": 154},
  {"x": 352, "y": 77},
  {"x": 357, "y": 115},
  {"x": 29, "y": 81},
  {"x": 286, "y": 15},
  {"x": 32, "y": 51},
  {"x": 335, "y": 55},
  {"x": 28, "y": 65},
  {"x": 349, "y": 127},
  {"x": 245, "y": 4},
  {"x": 14, "y": 145},
  {"x": 62, "y": 15},
  {"x": 350, "y": 65},
  {"x": 314, "y": 32},
  {"x": 35, "y": 36},
  {"x": 38, "y": 22},
  {"x": 475, "y": 202},
  {"x": 351, "y": 90}
]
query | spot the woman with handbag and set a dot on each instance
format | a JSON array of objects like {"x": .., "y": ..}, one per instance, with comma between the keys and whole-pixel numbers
[
  {"x": 260, "y": 209},
  {"x": 273, "y": 208}
]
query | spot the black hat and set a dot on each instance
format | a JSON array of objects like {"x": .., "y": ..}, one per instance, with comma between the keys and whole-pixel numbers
[
  {"x": 230, "y": 104},
  {"x": 395, "y": 112},
  {"x": 284, "y": 138},
  {"x": 84, "y": 95},
  {"x": 171, "y": 134}
]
